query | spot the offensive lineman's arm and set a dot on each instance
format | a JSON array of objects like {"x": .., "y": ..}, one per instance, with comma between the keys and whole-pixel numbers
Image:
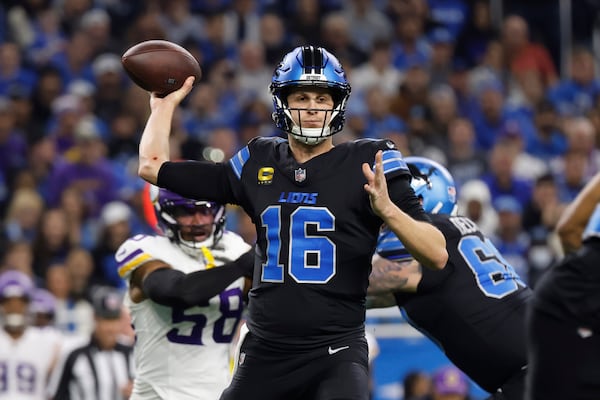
[
  {"x": 576, "y": 215},
  {"x": 390, "y": 276},
  {"x": 164, "y": 285},
  {"x": 422, "y": 240}
]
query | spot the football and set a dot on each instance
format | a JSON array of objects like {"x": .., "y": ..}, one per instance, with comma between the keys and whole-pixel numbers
[{"x": 159, "y": 66}]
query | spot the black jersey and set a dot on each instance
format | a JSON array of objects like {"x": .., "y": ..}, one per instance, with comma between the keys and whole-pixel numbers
[
  {"x": 474, "y": 308},
  {"x": 570, "y": 291},
  {"x": 316, "y": 232}
]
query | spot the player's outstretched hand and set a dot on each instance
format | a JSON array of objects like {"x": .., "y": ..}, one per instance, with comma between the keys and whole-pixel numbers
[
  {"x": 376, "y": 186},
  {"x": 173, "y": 98}
]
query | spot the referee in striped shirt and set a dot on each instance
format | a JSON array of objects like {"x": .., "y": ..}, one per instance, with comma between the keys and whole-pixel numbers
[{"x": 101, "y": 368}]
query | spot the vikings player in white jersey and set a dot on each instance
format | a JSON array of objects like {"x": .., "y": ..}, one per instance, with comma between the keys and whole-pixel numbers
[
  {"x": 27, "y": 353},
  {"x": 185, "y": 304}
]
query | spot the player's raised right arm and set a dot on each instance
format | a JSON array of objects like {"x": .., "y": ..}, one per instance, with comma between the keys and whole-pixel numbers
[{"x": 154, "y": 145}]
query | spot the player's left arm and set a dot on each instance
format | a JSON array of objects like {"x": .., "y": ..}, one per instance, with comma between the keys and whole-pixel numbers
[
  {"x": 422, "y": 240},
  {"x": 389, "y": 276},
  {"x": 575, "y": 217}
]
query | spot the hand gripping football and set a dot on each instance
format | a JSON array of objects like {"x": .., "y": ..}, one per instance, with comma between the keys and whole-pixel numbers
[{"x": 159, "y": 66}]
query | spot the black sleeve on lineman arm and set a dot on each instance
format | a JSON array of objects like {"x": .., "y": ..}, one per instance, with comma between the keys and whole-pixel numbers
[
  {"x": 196, "y": 180},
  {"x": 173, "y": 288},
  {"x": 404, "y": 197}
]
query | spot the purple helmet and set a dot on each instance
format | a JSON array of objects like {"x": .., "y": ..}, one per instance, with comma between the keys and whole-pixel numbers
[
  {"x": 42, "y": 302},
  {"x": 15, "y": 283},
  {"x": 167, "y": 206}
]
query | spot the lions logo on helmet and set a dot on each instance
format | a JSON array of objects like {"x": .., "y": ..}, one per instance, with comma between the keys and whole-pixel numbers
[
  {"x": 309, "y": 66},
  {"x": 434, "y": 185},
  {"x": 166, "y": 207}
]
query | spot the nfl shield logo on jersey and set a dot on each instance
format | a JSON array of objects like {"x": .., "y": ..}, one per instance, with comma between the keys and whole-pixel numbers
[{"x": 300, "y": 174}]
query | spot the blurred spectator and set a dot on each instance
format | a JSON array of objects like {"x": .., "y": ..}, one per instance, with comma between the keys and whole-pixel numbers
[
  {"x": 251, "y": 72},
  {"x": 523, "y": 55},
  {"x": 510, "y": 238},
  {"x": 242, "y": 22},
  {"x": 146, "y": 26},
  {"x": 582, "y": 138},
  {"x": 362, "y": 16},
  {"x": 472, "y": 42},
  {"x": 12, "y": 70},
  {"x": 489, "y": 69},
  {"x": 410, "y": 47},
  {"x": 52, "y": 242},
  {"x": 571, "y": 178},
  {"x": 442, "y": 52},
  {"x": 115, "y": 228},
  {"x": 42, "y": 308},
  {"x": 417, "y": 385},
  {"x": 539, "y": 221},
  {"x": 336, "y": 37},
  {"x": 89, "y": 170},
  {"x": 214, "y": 45},
  {"x": 443, "y": 108},
  {"x": 275, "y": 38},
  {"x": 203, "y": 113},
  {"x": 305, "y": 21},
  {"x": 449, "y": 383},
  {"x": 178, "y": 22},
  {"x": 13, "y": 148},
  {"x": 463, "y": 160},
  {"x": 96, "y": 24},
  {"x": 74, "y": 315},
  {"x": 549, "y": 141},
  {"x": 47, "y": 40},
  {"x": 67, "y": 112},
  {"x": 75, "y": 61},
  {"x": 501, "y": 179},
  {"x": 525, "y": 165},
  {"x": 80, "y": 266},
  {"x": 378, "y": 120},
  {"x": 19, "y": 256},
  {"x": 576, "y": 95},
  {"x": 109, "y": 77},
  {"x": 475, "y": 202},
  {"x": 47, "y": 89},
  {"x": 377, "y": 71},
  {"x": 23, "y": 215},
  {"x": 412, "y": 92}
]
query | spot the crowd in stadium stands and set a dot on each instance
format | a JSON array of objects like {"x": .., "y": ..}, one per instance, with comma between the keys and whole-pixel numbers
[{"x": 480, "y": 93}]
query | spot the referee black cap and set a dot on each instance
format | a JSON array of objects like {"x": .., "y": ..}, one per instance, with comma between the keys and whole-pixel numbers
[{"x": 107, "y": 302}]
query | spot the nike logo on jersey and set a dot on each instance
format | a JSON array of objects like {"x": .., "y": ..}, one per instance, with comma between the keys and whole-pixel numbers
[{"x": 333, "y": 351}]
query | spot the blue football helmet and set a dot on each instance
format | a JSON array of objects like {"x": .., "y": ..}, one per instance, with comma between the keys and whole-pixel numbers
[
  {"x": 433, "y": 184},
  {"x": 168, "y": 205},
  {"x": 309, "y": 66},
  {"x": 592, "y": 229}
]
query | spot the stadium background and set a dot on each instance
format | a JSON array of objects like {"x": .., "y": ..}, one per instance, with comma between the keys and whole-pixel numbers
[{"x": 452, "y": 80}]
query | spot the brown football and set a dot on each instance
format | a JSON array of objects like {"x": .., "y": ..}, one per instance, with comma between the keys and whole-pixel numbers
[{"x": 159, "y": 66}]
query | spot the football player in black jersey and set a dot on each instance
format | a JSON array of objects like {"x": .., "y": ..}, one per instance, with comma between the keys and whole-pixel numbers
[
  {"x": 316, "y": 229},
  {"x": 564, "y": 320},
  {"x": 475, "y": 307}
]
